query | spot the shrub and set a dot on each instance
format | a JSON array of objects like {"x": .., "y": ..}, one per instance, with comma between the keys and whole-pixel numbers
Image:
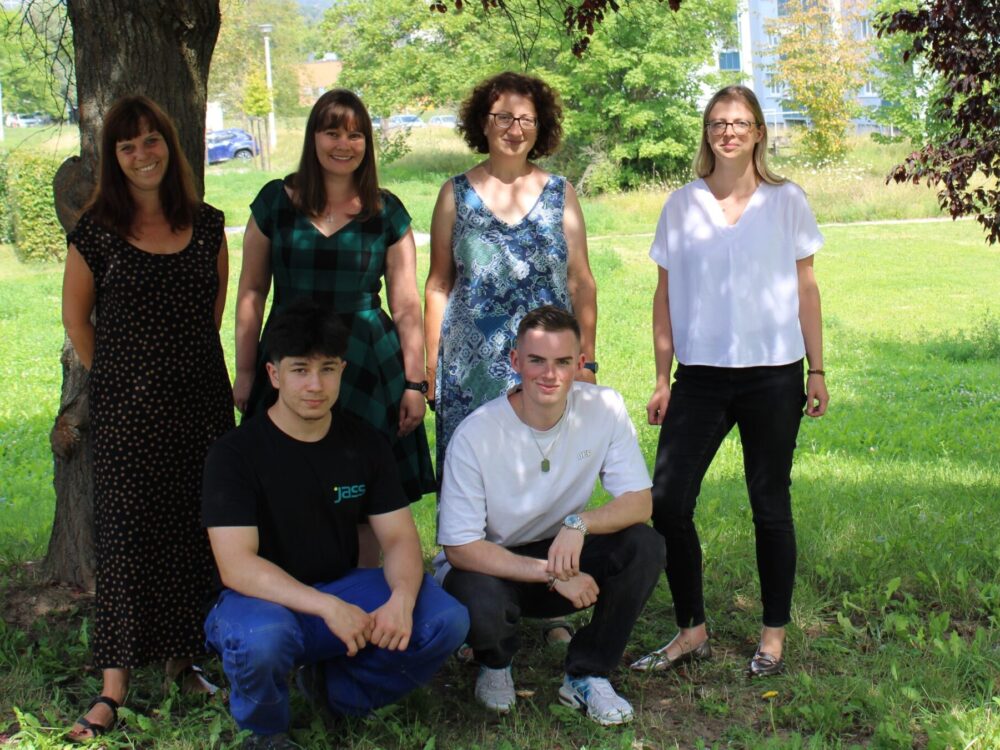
[
  {"x": 6, "y": 221},
  {"x": 28, "y": 218},
  {"x": 981, "y": 343}
]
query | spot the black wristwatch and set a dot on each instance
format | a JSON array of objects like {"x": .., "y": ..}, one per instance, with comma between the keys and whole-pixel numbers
[
  {"x": 416, "y": 386},
  {"x": 592, "y": 366}
]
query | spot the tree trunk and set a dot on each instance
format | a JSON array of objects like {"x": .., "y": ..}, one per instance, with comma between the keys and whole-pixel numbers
[{"x": 162, "y": 49}]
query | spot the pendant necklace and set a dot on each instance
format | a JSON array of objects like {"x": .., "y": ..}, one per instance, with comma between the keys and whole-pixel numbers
[{"x": 546, "y": 465}]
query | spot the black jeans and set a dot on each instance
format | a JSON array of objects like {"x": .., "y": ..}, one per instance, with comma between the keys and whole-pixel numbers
[
  {"x": 765, "y": 403},
  {"x": 626, "y": 566}
]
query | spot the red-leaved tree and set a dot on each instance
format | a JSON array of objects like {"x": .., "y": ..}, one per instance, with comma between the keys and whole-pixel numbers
[{"x": 960, "y": 41}]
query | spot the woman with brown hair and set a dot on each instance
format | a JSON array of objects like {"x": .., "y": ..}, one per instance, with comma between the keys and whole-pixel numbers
[
  {"x": 506, "y": 237},
  {"x": 152, "y": 259},
  {"x": 328, "y": 232}
]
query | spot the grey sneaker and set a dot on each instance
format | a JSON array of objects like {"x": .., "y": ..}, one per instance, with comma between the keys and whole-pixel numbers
[
  {"x": 495, "y": 689},
  {"x": 596, "y": 696}
]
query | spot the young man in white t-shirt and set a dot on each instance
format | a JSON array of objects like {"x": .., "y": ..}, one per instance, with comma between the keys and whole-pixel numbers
[{"x": 517, "y": 538}]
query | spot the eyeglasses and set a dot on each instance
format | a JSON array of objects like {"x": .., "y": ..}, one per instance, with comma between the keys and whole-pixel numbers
[
  {"x": 740, "y": 127},
  {"x": 504, "y": 120}
]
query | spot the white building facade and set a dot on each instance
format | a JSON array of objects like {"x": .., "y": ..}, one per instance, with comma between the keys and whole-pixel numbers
[{"x": 749, "y": 58}]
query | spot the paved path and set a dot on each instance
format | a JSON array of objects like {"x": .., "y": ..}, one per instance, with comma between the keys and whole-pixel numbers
[{"x": 422, "y": 238}]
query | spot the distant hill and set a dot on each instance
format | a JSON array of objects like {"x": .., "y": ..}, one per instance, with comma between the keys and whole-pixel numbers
[{"x": 314, "y": 9}]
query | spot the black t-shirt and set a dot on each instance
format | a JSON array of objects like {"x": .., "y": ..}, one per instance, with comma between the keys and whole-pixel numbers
[{"x": 304, "y": 498}]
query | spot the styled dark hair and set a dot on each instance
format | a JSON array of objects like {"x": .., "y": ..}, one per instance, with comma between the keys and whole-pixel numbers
[
  {"x": 111, "y": 204},
  {"x": 305, "y": 329},
  {"x": 337, "y": 108},
  {"x": 548, "y": 318},
  {"x": 472, "y": 115},
  {"x": 704, "y": 160}
]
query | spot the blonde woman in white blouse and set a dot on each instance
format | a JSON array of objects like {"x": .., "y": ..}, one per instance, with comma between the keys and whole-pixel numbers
[{"x": 738, "y": 305}]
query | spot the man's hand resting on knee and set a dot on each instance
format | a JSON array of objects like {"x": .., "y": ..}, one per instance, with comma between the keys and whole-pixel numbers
[
  {"x": 349, "y": 623},
  {"x": 393, "y": 623},
  {"x": 581, "y": 590}
]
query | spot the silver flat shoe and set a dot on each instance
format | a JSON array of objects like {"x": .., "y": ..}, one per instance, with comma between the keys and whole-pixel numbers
[
  {"x": 658, "y": 661},
  {"x": 765, "y": 665}
]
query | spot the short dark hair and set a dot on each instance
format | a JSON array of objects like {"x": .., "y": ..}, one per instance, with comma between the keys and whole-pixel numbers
[
  {"x": 548, "y": 318},
  {"x": 472, "y": 115},
  {"x": 305, "y": 329},
  {"x": 337, "y": 108},
  {"x": 111, "y": 205}
]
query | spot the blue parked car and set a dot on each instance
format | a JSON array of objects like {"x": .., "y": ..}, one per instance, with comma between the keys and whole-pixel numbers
[{"x": 231, "y": 143}]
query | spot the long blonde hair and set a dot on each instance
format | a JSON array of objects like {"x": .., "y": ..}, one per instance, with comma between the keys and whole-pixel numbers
[{"x": 704, "y": 161}]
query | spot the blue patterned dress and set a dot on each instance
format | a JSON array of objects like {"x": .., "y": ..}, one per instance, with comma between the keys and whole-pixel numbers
[{"x": 501, "y": 272}]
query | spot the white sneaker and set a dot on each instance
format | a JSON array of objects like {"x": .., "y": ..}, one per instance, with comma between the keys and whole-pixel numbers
[
  {"x": 495, "y": 689},
  {"x": 596, "y": 696}
]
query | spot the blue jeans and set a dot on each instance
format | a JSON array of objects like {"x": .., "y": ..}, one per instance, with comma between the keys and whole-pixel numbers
[
  {"x": 261, "y": 642},
  {"x": 765, "y": 404}
]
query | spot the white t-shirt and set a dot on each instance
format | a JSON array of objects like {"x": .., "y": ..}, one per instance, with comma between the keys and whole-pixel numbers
[
  {"x": 493, "y": 486},
  {"x": 733, "y": 290}
]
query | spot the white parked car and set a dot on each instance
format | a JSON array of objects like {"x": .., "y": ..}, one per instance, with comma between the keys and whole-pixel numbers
[
  {"x": 406, "y": 121},
  {"x": 443, "y": 121}
]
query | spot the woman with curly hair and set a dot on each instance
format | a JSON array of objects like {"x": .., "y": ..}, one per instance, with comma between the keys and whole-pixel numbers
[{"x": 506, "y": 237}]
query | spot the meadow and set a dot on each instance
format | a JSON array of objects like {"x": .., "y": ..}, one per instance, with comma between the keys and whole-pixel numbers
[{"x": 895, "y": 640}]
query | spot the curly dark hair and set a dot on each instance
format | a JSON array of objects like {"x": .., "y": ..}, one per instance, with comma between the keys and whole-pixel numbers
[{"x": 472, "y": 115}]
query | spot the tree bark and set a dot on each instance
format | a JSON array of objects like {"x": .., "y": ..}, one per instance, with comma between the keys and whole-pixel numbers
[{"x": 161, "y": 49}]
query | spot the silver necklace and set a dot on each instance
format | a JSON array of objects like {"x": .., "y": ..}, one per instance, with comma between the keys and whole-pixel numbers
[{"x": 546, "y": 465}]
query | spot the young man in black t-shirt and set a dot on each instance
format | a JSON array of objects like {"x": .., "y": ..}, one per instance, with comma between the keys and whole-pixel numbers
[{"x": 282, "y": 498}]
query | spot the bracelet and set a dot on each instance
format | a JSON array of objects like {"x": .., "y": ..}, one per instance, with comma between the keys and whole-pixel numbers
[
  {"x": 816, "y": 372},
  {"x": 552, "y": 583}
]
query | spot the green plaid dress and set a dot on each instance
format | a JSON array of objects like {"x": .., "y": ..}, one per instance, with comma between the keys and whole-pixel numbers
[{"x": 345, "y": 272}]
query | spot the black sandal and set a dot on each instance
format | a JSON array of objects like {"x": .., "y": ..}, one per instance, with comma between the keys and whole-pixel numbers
[
  {"x": 95, "y": 729},
  {"x": 549, "y": 625},
  {"x": 180, "y": 680}
]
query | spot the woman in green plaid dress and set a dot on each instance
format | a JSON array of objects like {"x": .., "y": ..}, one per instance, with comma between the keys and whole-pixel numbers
[{"x": 329, "y": 233}]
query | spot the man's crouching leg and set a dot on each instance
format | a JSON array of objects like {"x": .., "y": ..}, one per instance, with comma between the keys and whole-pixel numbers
[
  {"x": 375, "y": 677},
  {"x": 626, "y": 565},
  {"x": 259, "y": 642}
]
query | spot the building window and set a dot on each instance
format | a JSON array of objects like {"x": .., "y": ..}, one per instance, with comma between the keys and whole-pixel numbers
[
  {"x": 869, "y": 89},
  {"x": 865, "y": 28},
  {"x": 729, "y": 60}
]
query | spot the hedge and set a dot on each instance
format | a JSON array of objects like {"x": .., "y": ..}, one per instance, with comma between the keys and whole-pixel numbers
[{"x": 27, "y": 212}]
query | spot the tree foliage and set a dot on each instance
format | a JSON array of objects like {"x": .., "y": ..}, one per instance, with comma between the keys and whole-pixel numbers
[
  {"x": 580, "y": 22},
  {"x": 239, "y": 52},
  {"x": 959, "y": 42},
  {"x": 817, "y": 56},
  {"x": 630, "y": 102},
  {"x": 632, "y": 99},
  {"x": 423, "y": 60},
  {"x": 36, "y": 58}
]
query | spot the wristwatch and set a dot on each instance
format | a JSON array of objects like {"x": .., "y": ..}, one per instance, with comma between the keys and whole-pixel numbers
[
  {"x": 421, "y": 386},
  {"x": 592, "y": 366},
  {"x": 573, "y": 521}
]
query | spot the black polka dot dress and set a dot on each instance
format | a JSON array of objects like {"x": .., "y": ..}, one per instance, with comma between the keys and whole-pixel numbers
[{"x": 160, "y": 396}]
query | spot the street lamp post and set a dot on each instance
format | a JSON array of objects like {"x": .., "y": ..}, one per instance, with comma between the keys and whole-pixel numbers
[{"x": 266, "y": 29}]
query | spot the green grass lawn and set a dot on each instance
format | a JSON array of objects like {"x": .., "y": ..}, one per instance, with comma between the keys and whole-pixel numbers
[{"x": 895, "y": 641}]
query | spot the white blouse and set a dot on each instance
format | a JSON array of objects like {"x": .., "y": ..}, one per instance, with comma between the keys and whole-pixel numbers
[{"x": 733, "y": 290}]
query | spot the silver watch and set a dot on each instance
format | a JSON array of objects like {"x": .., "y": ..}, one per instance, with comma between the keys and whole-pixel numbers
[{"x": 573, "y": 521}]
